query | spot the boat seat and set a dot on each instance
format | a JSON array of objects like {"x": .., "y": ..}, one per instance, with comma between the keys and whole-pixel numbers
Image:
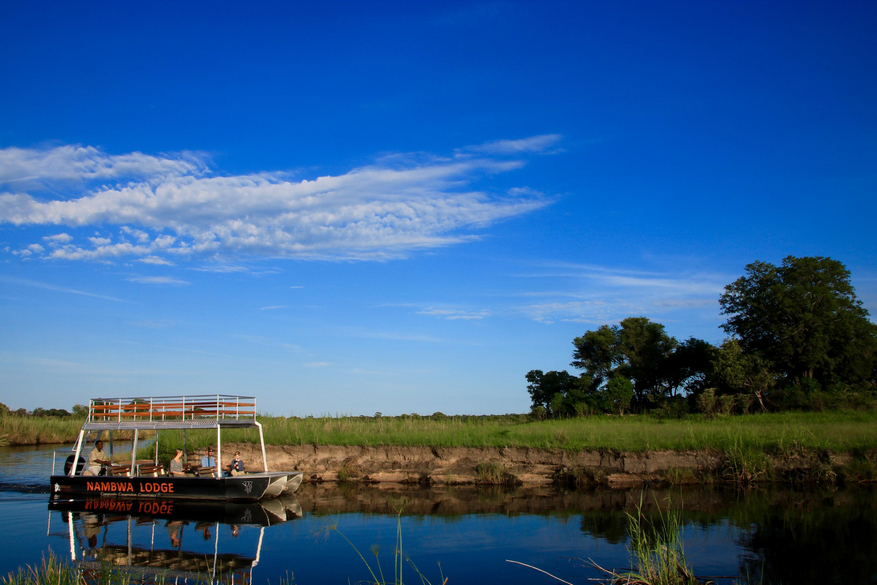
[
  {"x": 153, "y": 470},
  {"x": 201, "y": 471},
  {"x": 119, "y": 470}
]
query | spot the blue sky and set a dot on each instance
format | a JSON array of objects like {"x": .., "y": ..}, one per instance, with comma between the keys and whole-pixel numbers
[{"x": 345, "y": 208}]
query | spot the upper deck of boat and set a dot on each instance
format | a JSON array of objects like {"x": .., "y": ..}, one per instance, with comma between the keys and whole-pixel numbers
[{"x": 206, "y": 411}]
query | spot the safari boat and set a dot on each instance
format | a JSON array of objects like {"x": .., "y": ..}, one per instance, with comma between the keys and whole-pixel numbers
[{"x": 133, "y": 478}]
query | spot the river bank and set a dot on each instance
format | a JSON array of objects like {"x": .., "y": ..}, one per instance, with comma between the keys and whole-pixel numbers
[
  {"x": 535, "y": 467},
  {"x": 827, "y": 447}
]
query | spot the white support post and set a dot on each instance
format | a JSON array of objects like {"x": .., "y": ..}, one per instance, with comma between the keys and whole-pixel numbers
[
  {"x": 218, "y": 471},
  {"x": 262, "y": 442},
  {"x": 134, "y": 452},
  {"x": 78, "y": 451}
]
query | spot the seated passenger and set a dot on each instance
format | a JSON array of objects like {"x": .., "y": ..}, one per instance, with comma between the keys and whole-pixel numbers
[
  {"x": 210, "y": 462},
  {"x": 237, "y": 464},
  {"x": 96, "y": 459},
  {"x": 176, "y": 466}
]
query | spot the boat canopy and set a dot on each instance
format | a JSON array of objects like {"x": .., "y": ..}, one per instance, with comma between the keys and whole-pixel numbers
[{"x": 205, "y": 411}]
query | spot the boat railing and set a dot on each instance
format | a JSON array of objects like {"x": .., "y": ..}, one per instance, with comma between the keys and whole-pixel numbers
[{"x": 172, "y": 408}]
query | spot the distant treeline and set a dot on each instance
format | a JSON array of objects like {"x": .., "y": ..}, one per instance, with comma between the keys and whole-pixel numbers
[
  {"x": 79, "y": 411},
  {"x": 799, "y": 339}
]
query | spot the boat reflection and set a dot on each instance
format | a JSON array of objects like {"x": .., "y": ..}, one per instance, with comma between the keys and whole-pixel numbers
[{"x": 169, "y": 540}]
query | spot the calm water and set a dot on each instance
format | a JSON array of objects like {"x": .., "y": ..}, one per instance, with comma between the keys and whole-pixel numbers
[{"x": 465, "y": 534}]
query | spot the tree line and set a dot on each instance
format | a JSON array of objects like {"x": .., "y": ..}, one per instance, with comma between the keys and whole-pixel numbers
[
  {"x": 79, "y": 411},
  {"x": 798, "y": 338}
]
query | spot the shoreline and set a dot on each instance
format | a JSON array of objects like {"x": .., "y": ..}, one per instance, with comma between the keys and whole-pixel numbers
[{"x": 450, "y": 466}]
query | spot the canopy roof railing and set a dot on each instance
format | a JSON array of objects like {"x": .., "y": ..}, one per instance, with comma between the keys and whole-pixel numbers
[{"x": 195, "y": 411}]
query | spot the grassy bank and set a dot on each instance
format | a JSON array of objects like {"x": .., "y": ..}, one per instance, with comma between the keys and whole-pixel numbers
[
  {"x": 836, "y": 431},
  {"x": 832, "y": 431},
  {"x": 32, "y": 430}
]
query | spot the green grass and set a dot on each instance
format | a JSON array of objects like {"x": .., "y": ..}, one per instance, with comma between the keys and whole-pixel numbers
[
  {"x": 26, "y": 430},
  {"x": 842, "y": 431},
  {"x": 837, "y": 431},
  {"x": 53, "y": 571}
]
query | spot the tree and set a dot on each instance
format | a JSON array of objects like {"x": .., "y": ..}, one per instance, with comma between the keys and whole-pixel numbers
[
  {"x": 558, "y": 393},
  {"x": 689, "y": 368},
  {"x": 80, "y": 410},
  {"x": 738, "y": 373},
  {"x": 637, "y": 349},
  {"x": 618, "y": 394},
  {"x": 804, "y": 319}
]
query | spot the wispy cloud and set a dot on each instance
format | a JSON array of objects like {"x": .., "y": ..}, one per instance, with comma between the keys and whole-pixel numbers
[
  {"x": 520, "y": 146},
  {"x": 317, "y": 365},
  {"x": 221, "y": 268},
  {"x": 596, "y": 294},
  {"x": 173, "y": 207},
  {"x": 454, "y": 314},
  {"x": 158, "y": 280},
  {"x": 156, "y": 260},
  {"x": 86, "y": 163},
  {"x": 272, "y": 307},
  {"x": 399, "y": 336},
  {"x": 35, "y": 284}
]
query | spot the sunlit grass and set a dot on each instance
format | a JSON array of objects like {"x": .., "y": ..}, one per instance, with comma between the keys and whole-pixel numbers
[
  {"x": 835, "y": 431},
  {"x": 18, "y": 430},
  {"x": 842, "y": 431}
]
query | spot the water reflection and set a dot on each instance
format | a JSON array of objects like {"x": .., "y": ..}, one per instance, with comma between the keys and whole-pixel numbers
[
  {"x": 774, "y": 534},
  {"x": 110, "y": 536}
]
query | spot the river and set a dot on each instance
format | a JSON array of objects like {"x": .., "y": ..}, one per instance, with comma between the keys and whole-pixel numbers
[{"x": 773, "y": 534}]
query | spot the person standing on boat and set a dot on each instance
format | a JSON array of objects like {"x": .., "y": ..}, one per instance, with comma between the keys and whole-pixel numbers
[
  {"x": 209, "y": 461},
  {"x": 177, "y": 463},
  {"x": 97, "y": 458}
]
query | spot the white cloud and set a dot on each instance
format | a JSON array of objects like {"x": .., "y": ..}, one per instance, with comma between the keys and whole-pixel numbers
[
  {"x": 141, "y": 236},
  {"x": 158, "y": 280},
  {"x": 454, "y": 314},
  {"x": 36, "y": 284},
  {"x": 520, "y": 146},
  {"x": 272, "y": 307},
  {"x": 222, "y": 268},
  {"x": 58, "y": 239},
  {"x": 383, "y": 211},
  {"x": 594, "y": 294},
  {"x": 156, "y": 260},
  {"x": 78, "y": 163}
]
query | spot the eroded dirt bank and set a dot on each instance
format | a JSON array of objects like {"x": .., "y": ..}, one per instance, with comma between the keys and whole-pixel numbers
[{"x": 462, "y": 466}]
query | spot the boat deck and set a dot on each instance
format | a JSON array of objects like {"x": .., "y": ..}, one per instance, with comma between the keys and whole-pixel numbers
[{"x": 171, "y": 412}]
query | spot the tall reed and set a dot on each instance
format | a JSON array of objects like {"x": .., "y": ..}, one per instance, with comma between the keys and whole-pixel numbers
[
  {"x": 400, "y": 559},
  {"x": 34, "y": 430}
]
